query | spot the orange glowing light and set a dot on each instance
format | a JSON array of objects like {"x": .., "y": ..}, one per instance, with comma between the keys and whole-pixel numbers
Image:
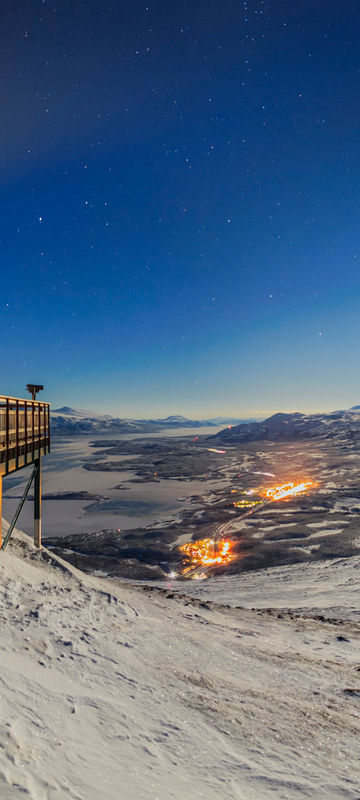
[
  {"x": 204, "y": 552},
  {"x": 246, "y": 503},
  {"x": 289, "y": 490}
]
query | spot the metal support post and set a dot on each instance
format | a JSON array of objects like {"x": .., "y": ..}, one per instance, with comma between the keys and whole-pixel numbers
[
  {"x": 17, "y": 512},
  {"x": 37, "y": 504},
  {"x": 0, "y": 511}
]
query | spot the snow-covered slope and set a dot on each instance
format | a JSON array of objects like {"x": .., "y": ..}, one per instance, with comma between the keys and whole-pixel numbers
[
  {"x": 329, "y": 587},
  {"x": 79, "y": 413},
  {"x": 112, "y": 691},
  {"x": 287, "y": 427}
]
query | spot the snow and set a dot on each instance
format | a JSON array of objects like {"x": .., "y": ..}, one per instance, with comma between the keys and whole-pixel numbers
[
  {"x": 328, "y": 532},
  {"x": 110, "y": 690},
  {"x": 308, "y": 587},
  {"x": 322, "y": 524}
]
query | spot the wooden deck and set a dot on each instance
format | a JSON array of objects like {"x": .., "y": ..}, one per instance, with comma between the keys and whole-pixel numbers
[{"x": 24, "y": 433}]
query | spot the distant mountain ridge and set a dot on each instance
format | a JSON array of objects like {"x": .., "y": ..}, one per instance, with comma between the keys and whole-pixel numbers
[
  {"x": 79, "y": 413},
  {"x": 287, "y": 427},
  {"x": 67, "y": 420}
]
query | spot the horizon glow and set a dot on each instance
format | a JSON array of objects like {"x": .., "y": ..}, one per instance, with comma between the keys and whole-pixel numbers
[{"x": 180, "y": 207}]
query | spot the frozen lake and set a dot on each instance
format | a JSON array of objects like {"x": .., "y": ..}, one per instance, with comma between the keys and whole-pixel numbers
[{"x": 138, "y": 505}]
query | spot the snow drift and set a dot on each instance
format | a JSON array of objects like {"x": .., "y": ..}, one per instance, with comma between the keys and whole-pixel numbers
[{"x": 110, "y": 690}]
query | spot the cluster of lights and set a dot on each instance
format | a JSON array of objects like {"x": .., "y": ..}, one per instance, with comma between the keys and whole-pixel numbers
[
  {"x": 246, "y": 503},
  {"x": 209, "y": 552},
  {"x": 205, "y": 552},
  {"x": 290, "y": 489},
  {"x": 248, "y": 491}
]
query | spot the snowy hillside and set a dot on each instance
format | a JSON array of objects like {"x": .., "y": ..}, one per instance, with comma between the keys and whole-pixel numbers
[
  {"x": 111, "y": 691},
  {"x": 329, "y": 587},
  {"x": 287, "y": 427}
]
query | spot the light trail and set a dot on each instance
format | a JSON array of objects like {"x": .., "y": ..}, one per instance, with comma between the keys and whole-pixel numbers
[
  {"x": 214, "y": 450},
  {"x": 289, "y": 490},
  {"x": 269, "y": 474}
]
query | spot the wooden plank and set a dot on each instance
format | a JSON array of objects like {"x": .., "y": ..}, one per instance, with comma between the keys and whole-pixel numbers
[
  {"x": 25, "y": 431},
  {"x": 9, "y": 467},
  {"x": 21, "y": 399}
]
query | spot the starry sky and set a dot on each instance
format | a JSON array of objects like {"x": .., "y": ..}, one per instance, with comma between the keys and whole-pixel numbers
[{"x": 180, "y": 204}]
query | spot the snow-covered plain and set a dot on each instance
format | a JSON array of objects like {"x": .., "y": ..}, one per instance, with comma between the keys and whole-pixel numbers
[{"x": 115, "y": 691}]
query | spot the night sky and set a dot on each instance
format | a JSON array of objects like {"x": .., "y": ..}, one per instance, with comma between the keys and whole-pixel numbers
[{"x": 180, "y": 204}]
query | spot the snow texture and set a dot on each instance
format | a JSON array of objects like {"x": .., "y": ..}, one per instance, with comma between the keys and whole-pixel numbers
[{"x": 116, "y": 691}]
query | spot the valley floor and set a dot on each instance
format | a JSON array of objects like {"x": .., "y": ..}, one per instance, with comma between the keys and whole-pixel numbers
[{"x": 110, "y": 690}]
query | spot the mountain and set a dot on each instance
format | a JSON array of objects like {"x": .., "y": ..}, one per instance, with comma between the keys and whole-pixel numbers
[
  {"x": 175, "y": 418},
  {"x": 287, "y": 427},
  {"x": 230, "y": 420},
  {"x": 66, "y": 420},
  {"x": 79, "y": 413}
]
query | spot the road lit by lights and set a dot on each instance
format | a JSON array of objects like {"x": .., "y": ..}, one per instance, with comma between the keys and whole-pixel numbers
[{"x": 211, "y": 552}]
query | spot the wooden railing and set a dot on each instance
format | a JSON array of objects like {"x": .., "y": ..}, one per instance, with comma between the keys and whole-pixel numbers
[{"x": 24, "y": 432}]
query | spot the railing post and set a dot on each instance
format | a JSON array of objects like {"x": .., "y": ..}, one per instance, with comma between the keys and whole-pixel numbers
[
  {"x": 33, "y": 430},
  {"x": 48, "y": 428},
  {"x": 17, "y": 432},
  {"x": 26, "y": 439},
  {"x": 7, "y": 431},
  {"x": 39, "y": 428},
  {"x": 37, "y": 504}
]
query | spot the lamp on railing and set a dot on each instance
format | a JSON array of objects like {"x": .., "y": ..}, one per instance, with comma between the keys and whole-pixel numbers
[{"x": 34, "y": 388}]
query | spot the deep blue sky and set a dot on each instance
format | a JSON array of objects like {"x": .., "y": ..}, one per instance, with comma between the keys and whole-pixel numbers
[{"x": 180, "y": 204}]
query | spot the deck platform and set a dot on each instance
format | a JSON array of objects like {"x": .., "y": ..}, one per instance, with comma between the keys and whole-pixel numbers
[
  {"x": 24, "y": 439},
  {"x": 24, "y": 432}
]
